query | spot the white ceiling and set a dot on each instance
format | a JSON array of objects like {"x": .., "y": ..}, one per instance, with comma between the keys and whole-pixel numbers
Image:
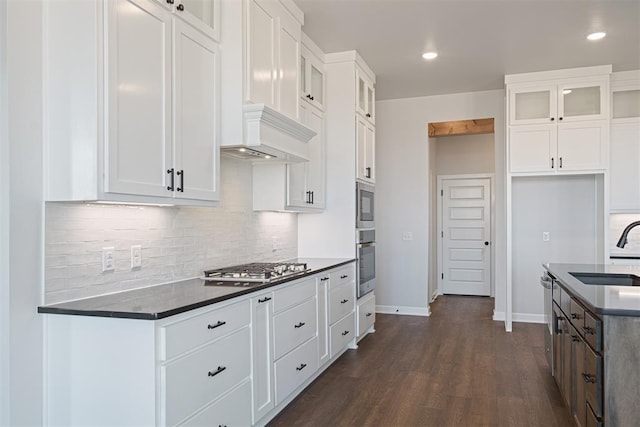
[{"x": 478, "y": 41}]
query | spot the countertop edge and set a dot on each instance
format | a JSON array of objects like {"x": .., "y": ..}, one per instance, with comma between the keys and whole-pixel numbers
[{"x": 53, "y": 309}]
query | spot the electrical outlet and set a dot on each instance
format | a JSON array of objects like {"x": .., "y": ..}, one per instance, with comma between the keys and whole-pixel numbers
[
  {"x": 545, "y": 236},
  {"x": 407, "y": 235},
  {"x": 136, "y": 256},
  {"x": 108, "y": 259}
]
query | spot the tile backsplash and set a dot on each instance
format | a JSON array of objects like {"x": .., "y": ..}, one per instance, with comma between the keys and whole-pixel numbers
[
  {"x": 177, "y": 242},
  {"x": 617, "y": 224}
]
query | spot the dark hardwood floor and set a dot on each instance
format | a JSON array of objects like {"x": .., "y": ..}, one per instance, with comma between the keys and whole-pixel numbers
[{"x": 455, "y": 368}]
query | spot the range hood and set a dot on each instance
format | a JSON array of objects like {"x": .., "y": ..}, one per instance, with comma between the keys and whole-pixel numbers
[{"x": 270, "y": 135}]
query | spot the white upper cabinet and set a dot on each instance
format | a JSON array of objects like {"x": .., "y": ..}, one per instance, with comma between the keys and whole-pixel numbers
[
  {"x": 625, "y": 142},
  {"x": 558, "y": 121},
  {"x": 203, "y": 15},
  {"x": 147, "y": 115},
  {"x": 365, "y": 151},
  {"x": 311, "y": 74},
  {"x": 365, "y": 96},
  {"x": 273, "y": 56}
]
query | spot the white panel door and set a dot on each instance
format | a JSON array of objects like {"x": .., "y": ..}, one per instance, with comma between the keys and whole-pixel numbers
[
  {"x": 466, "y": 230},
  {"x": 262, "y": 356},
  {"x": 289, "y": 55},
  {"x": 195, "y": 95},
  {"x": 297, "y": 191},
  {"x": 361, "y": 148},
  {"x": 139, "y": 98}
]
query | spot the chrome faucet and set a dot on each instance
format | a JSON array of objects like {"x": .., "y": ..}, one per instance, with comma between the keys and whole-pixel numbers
[{"x": 623, "y": 238}]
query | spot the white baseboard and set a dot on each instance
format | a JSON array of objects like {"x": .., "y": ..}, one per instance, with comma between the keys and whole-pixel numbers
[
  {"x": 520, "y": 317},
  {"x": 404, "y": 311}
]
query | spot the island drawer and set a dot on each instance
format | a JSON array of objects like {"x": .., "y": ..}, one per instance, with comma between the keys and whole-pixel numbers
[
  {"x": 593, "y": 378},
  {"x": 576, "y": 315},
  {"x": 176, "y": 338},
  {"x": 593, "y": 331}
]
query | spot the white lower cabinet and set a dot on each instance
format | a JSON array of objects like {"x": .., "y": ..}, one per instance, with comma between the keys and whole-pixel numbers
[
  {"x": 235, "y": 363},
  {"x": 366, "y": 314},
  {"x": 293, "y": 369},
  {"x": 230, "y": 410}
]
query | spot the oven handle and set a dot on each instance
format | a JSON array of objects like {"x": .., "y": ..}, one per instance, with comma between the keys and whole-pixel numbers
[{"x": 367, "y": 245}]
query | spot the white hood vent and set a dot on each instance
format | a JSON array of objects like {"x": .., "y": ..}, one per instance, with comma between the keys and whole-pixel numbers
[{"x": 270, "y": 135}]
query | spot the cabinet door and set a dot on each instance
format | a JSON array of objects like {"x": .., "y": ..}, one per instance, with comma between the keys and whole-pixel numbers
[
  {"x": 532, "y": 105},
  {"x": 139, "y": 98},
  {"x": 582, "y": 146},
  {"x": 263, "y": 389},
  {"x": 311, "y": 79},
  {"x": 532, "y": 148},
  {"x": 289, "y": 34},
  {"x": 624, "y": 161},
  {"x": 195, "y": 114},
  {"x": 584, "y": 101},
  {"x": 365, "y": 96},
  {"x": 365, "y": 156},
  {"x": 297, "y": 190},
  {"x": 262, "y": 72},
  {"x": 316, "y": 163},
  {"x": 202, "y": 14}
]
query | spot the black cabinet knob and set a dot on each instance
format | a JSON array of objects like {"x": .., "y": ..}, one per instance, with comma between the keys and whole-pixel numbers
[
  {"x": 552, "y": 118},
  {"x": 559, "y": 118},
  {"x": 486, "y": 243},
  {"x": 170, "y": 1},
  {"x": 181, "y": 7}
]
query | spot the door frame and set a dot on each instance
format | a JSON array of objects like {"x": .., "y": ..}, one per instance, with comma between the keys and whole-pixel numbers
[{"x": 440, "y": 179}]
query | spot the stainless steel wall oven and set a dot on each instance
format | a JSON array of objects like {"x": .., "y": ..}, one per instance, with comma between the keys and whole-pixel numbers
[{"x": 366, "y": 252}]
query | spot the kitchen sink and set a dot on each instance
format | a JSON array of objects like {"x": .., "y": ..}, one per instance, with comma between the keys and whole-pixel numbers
[{"x": 611, "y": 279}]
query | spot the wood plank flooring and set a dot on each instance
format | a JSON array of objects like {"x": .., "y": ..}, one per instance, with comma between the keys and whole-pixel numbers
[{"x": 455, "y": 368}]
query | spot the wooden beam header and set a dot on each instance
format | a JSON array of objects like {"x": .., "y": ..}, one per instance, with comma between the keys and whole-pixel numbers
[{"x": 461, "y": 127}]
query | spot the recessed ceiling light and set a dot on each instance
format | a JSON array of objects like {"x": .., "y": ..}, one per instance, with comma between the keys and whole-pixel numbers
[
  {"x": 429, "y": 55},
  {"x": 596, "y": 36}
]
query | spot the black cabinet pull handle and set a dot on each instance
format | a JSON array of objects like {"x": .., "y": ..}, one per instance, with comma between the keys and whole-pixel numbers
[
  {"x": 368, "y": 314},
  {"x": 299, "y": 325},
  {"x": 345, "y": 333},
  {"x": 560, "y": 162},
  {"x": 180, "y": 7},
  {"x": 368, "y": 169},
  {"x": 265, "y": 299},
  {"x": 344, "y": 276},
  {"x": 324, "y": 278},
  {"x": 217, "y": 325},
  {"x": 589, "y": 379},
  {"x": 344, "y": 301},
  {"x": 552, "y": 118},
  {"x": 217, "y": 371},
  {"x": 575, "y": 316},
  {"x": 180, "y": 173},
  {"x": 575, "y": 338},
  {"x": 170, "y": 172},
  {"x": 368, "y": 115},
  {"x": 170, "y": 1},
  {"x": 587, "y": 330},
  {"x": 312, "y": 195},
  {"x": 301, "y": 367},
  {"x": 552, "y": 163}
]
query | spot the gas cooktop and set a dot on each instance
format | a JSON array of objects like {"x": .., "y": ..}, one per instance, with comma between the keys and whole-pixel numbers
[{"x": 253, "y": 274}]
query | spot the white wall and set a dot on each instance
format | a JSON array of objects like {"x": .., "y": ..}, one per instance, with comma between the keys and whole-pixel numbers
[
  {"x": 25, "y": 210},
  {"x": 565, "y": 207},
  {"x": 403, "y": 190},
  {"x": 177, "y": 242},
  {"x": 464, "y": 154}
]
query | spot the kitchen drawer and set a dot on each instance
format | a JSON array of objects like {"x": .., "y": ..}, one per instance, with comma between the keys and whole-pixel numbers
[
  {"x": 576, "y": 316},
  {"x": 366, "y": 313},
  {"x": 593, "y": 331},
  {"x": 593, "y": 378},
  {"x": 342, "y": 333},
  {"x": 341, "y": 302},
  {"x": 293, "y": 295},
  {"x": 184, "y": 335},
  {"x": 234, "y": 409},
  {"x": 295, "y": 368},
  {"x": 294, "y": 326},
  {"x": 191, "y": 382},
  {"x": 341, "y": 276}
]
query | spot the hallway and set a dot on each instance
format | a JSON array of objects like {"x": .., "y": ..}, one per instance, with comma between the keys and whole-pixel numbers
[{"x": 455, "y": 368}]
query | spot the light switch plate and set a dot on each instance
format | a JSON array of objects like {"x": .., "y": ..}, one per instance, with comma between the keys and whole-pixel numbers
[
  {"x": 545, "y": 236},
  {"x": 108, "y": 259},
  {"x": 136, "y": 256}
]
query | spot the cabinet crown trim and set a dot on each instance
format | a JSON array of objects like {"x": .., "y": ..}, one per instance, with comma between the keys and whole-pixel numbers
[{"x": 598, "y": 70}]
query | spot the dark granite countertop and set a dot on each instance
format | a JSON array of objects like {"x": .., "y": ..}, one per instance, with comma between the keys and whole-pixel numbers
[
  {"x": 160, "y": 301},
  {"x": 601, "y": 299}
]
